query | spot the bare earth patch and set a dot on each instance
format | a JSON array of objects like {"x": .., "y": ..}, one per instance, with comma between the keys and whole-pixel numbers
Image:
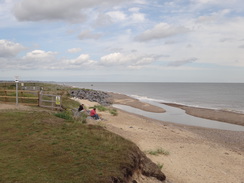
[{"x": 13, "y": 106}]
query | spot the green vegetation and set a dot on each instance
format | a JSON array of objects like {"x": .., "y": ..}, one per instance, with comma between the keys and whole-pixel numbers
[
  {"x": 112, "y": 111},
  {"x": 39, "y": 147},
  {"x": 49, "y": 146},
  {"x": 160, "y": 166},
  {"x": 65, "y": 115},
  {"x": 158, "y": 152},
  {"x": 100, "y": 108}
]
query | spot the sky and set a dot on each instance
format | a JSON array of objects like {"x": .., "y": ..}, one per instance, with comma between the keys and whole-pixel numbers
[{"x": 122, "y": 40}]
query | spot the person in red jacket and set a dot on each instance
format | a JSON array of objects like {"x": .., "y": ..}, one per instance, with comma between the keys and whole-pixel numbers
[{"x": 94, "y": 114}]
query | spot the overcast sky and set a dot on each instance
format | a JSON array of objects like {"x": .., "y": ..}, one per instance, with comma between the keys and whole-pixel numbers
[{"x": 122, "y": 40}]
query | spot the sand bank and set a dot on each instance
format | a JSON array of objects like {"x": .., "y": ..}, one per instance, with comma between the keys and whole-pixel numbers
[
  {"x": 218, "y": 115},
  {"x": 126, "y": 100},
  {"x": 196, "y": 154}
]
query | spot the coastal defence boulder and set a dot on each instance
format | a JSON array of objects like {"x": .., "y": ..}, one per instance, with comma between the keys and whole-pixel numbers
[{"x": 101, "y": 97}]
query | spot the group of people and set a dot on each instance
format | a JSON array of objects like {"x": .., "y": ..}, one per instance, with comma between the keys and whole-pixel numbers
[{"x": 93, "y": 112}]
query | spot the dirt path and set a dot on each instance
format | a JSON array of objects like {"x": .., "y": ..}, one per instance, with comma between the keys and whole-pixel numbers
[{"x": 13, "y": 106}]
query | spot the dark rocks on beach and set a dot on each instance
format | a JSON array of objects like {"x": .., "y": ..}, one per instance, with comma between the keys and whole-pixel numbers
[{"x": 101, "y": 97}]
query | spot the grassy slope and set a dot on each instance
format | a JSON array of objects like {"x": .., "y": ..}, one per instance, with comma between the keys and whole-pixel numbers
[{"x": 39, "y": 147}]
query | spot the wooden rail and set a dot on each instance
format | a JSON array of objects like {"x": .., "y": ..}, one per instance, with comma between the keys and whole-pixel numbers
[
  {"x": 9, "y": 95},
  {"x": 42, "y": 100}
]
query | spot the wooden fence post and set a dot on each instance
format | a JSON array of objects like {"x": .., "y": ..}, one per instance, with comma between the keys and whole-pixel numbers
[{"x": 39, "y": 98}]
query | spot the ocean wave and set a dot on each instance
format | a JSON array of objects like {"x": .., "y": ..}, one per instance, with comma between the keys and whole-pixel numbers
[{"x": 146, "y": 98}]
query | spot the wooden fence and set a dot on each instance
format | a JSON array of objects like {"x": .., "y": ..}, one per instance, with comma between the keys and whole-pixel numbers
[
  {"x": 50, "y": 101},
  {"x": 31, "y": 97},
  {"x": 25, "y": 97}
]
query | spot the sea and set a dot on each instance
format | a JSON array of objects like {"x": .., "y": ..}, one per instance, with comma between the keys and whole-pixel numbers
[{"x": 225, "y": 96}]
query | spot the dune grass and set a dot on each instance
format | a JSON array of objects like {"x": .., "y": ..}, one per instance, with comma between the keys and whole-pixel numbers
[
  {"x": 158, "y": 151},
  {"x": 112, "y": 111},
  {"x": 40, "y": 147}
]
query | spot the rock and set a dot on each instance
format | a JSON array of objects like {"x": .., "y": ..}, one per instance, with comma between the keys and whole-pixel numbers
[{"x": 101, "y": 97}]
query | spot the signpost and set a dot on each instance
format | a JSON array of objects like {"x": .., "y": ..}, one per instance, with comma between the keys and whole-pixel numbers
[{"x": 16, "y": 81}]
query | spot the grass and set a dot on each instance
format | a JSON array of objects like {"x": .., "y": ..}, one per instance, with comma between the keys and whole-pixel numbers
[
  {"x": 39, "y": 147},
  {"x": 158, "y": 151},
  {"x": 64, "y": 115},
  {"x": 112, "y": 111},
  {"x": 160, "y": 166}
]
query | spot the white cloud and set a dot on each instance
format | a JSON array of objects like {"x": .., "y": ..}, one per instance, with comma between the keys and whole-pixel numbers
[
  {"x": 126, "y": 60},
  {"x": 40, "y": 55},
  {"x": 134, "y": 9},
  {"x": 70, "y": 10},
  {"x": 209, "y": 30},
  {"x": 117, "y": 15},
  {"x": 38, "y": 59},
  {"x": 102, "y": 20},
  {"x": 138, "y": 17},
  {"x": 87, "y": 34},
  {"x": 113, "y": 59},
  {"x": 160, "y": 31},
  {"x": 81, "y": 62},
  {"x": 10, "y": 49},
  {"x": 74, "y": 50}
]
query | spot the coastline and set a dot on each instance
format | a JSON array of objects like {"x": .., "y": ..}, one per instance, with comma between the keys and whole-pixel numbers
[
  {"x": 212, "y": 114},
  {"x": 126, "y": 100},
  {"x": 218, "y": 115},
  {"x": 196, "y": 154}
]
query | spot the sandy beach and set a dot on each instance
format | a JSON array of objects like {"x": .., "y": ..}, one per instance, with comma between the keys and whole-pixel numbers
[{"x": 195, "y": 154}]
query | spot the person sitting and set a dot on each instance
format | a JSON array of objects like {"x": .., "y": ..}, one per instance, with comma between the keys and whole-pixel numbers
[
  {"x": 81, "y": 108},
  {"x": 94, "y": 114}
]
